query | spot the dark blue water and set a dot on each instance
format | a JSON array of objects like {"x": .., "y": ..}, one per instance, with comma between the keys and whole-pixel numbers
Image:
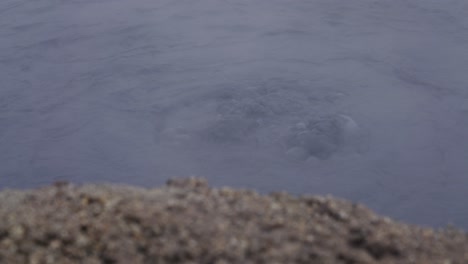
[{"x": 362, "y": 99}]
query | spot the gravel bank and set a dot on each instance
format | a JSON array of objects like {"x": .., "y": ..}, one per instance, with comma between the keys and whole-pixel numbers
[{"x": 188, "y": 222}]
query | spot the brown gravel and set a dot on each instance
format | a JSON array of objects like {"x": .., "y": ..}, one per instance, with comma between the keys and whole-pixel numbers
[{"x": 189, "y": 222}]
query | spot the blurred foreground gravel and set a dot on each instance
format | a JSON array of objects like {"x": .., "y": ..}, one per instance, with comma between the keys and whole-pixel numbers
[{"x": 189, "y": 222}]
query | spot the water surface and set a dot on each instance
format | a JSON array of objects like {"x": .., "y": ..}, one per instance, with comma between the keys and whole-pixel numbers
[{"x": 362, "y": 99}]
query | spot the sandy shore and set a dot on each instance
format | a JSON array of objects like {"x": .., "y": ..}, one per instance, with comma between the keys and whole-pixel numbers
[{"x": 186, "y": 221}]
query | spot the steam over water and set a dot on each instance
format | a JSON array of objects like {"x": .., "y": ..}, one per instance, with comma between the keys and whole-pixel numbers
[{"x": 362, "y": 99}]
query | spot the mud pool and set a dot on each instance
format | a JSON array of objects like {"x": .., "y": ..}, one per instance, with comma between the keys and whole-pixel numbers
[{"x": 362, "y": 99}]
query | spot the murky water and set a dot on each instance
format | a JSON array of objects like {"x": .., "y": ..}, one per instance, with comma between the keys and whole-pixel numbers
[{"x": 363, "y": 99}]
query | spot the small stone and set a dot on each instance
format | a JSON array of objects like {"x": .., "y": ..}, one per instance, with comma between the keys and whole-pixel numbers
[
  {"x": 275, "y": 206},
  {"x": 55, "y": 244},
  {"x": 82, "y": 240},
  {"x": 17, "y": 232},
  {"x": 310, "y": 238}
]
